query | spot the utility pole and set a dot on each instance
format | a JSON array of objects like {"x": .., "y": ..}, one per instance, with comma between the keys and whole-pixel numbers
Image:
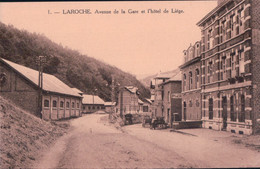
[
  {"x": 113, "y": 93},
  {"x": 40, "y": 61}
]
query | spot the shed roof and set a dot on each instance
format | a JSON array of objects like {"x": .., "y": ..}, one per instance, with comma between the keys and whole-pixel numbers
[
  {"x": 148, "y": 100},
  {"x": 110, "y": 103},
  {"x": 92, "y": 99},
  {"x": 164, "y": 75},
  {"x": 140, "y": 101},
  {"x": 50, "y": 82},
  {"x": 175, "y": 78},
  {"x": 132, "y": 89}
]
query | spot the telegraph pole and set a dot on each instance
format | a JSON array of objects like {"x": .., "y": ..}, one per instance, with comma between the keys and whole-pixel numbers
[
  {"x": 113, "y": 93},
  {"x": 40, "y": 61}
]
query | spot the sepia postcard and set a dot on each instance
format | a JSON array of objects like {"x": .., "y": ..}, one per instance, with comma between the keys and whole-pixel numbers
[{"x": 130, "y": 84}]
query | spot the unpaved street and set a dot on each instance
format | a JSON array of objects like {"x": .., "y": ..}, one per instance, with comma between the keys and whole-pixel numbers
[{"x": 92, "y": 143}]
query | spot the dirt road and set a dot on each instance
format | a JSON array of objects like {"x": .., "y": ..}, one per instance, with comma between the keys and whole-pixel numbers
[{"x": 93, "y": 144}]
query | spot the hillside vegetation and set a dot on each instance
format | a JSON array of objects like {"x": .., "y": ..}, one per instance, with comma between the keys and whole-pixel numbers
[
  {"x": 23, "y": 136},
  {"x": 73, "y": 68}
]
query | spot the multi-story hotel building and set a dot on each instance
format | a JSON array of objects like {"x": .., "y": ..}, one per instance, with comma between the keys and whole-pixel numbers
[
  {"x": 191, "y": 86},
  {"x": 230, "y": 64}
]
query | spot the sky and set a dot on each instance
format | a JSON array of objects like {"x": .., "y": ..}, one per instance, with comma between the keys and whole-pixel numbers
[{"x": 139, "y": 43}]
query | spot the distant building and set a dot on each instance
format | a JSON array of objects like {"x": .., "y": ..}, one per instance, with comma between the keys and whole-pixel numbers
[
  {"x": 230, "y": 67},
  {"x": 171, "y": 100},
  {"x": 20, "y": 84},
  {"x": 157, "y": 105},
  {"x": 147, "y": 109},
  {"x": 191, "y": 83},
  {"x": 128, "y": 100},
  {"x": 92, "y": 103},
  {"x": 109, "y": 106}
]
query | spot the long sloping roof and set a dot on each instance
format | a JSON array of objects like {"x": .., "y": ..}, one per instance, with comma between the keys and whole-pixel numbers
[
  {"x": 92, "y": 99},
  {"x": 132, "y": 89},
  {"x": 110, "y": 103},
  {"x": 50, "y": 82},
  {"x": 174, "y": 78},
  {"x": 77, "y": 90}
]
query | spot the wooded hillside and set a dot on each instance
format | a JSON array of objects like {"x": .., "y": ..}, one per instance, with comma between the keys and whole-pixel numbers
[{"x": 73, "y": 68}]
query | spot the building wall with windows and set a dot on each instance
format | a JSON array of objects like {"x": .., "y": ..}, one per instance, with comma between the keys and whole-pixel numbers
[
  {"x": 128, "y": 100},
  {"x": 58, "y": 107},
  {"x": 227, "y": 61},
  {"x": 172, "y": 100},
  {"x": 157, "y": 105},
  {"x": 191, "y": 83}
]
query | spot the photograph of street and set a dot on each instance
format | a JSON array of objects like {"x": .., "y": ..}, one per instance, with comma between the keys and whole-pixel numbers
[{"x": 130, "y": 84}]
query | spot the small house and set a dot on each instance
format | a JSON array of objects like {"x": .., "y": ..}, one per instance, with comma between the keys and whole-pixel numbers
[{"x": 92, "y": 103}]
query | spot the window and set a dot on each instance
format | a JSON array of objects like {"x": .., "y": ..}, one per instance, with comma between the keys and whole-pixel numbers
[
  {"x": 197, "y": 78},
  {"x": 54, "y": 103},
  {"x": 184, "y": 82},
  {"x": 210, "y": 65},
  {"x": 241, "y": 115},
  {"x": 67, "y": 104},
  {"x": 145, "y": 108},
  {"x": 84, "y": 108},
  {"x": 77, "y": 105},
  {"x": 237, "y": 30},
  {"x": 89, "y": 107},
  {"x": 190, "y": 80},
  {"x": 61, "y": 104},
  {"x": 73, "y": 105},
  {"x": 241, "y": 61},
  {"x": 169, "y": 96},
  {"x": 190, "y": 103},
  {"x": 191, "y": 54},
  {"x": 210, "y": 108},
  {"x": 233, "y": 64},
  {"x": 197, "y": 103},
  {"x": 232, "y": 113},
  {"x": 46, "y": 103},
  {"x": 232, "y": 22}
]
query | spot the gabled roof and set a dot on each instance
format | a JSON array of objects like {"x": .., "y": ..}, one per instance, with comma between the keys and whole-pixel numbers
[
  {"x": 140, "y": 101},
  {"x": 132, "y": 89},
  {"x": 147, "y": 100},
  {"x": 110, "y": 103},
  {"x": 92, "y": 99},
  {"x": 50, "y": 82},
  {"x": 164, "y": 75},
  {"x": 175, "y": 78}
]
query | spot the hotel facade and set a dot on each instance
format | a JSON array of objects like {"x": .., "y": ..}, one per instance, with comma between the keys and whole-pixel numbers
[{"x": 230, "y": 59}]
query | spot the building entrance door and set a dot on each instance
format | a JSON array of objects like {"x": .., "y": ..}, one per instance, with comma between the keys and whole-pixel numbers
[
  {"x": 184, "y": 111},
  {"x": 168, "y": 115},
  {"x": 224, "y": 112}
]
